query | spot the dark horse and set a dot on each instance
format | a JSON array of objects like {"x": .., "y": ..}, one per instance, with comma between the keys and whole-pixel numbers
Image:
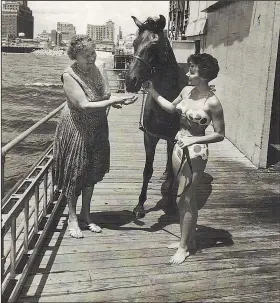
[{"x": 154, "y": 60}]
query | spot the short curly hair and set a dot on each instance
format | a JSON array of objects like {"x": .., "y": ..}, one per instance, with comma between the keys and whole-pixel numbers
[
  {"x": 208, "y": 67},
  {"x": 77, "y": 44}
]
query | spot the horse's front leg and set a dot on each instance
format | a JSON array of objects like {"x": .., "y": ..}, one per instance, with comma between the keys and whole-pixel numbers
[{"x": 150, "y": 147}]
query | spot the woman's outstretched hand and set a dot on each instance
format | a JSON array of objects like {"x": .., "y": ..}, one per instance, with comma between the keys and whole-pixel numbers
[
  {"x": 130, "y": 100},
  {"x": 118, "y": 102},
  {"x": 118, "y": 106}
]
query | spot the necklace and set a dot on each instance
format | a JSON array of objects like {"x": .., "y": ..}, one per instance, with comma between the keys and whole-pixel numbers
[{"x": 80, "y": 70}]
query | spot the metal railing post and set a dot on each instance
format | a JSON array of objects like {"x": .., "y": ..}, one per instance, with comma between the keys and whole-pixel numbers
[
  {"x": 3, "y": 156},
  {"x": 3, "y": 259},
  {"x": 13, "y": 248}
]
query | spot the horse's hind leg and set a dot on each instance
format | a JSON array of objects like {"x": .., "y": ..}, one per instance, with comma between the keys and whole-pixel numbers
[
  {"x": 170, "y": 178},
  {"x": 150, "y": 147},
  {"x": 169, "y": 168}
]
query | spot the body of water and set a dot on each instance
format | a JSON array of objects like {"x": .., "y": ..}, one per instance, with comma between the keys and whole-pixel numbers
[{"x": 31, "y": 88}]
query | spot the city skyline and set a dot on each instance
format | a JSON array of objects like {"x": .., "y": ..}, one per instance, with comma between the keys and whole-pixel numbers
[{"x": 46, "y": 14}]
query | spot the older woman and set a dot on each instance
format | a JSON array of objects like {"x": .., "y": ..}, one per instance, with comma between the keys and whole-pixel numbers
[
  {"x": 81, "y": 144},
  {"x": 197, "y": 106}
]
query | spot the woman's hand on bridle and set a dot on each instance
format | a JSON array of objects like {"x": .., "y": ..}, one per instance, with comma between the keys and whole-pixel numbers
[
  {"x": 186, "y": 141},
  {"x": 148, "y": 86}
]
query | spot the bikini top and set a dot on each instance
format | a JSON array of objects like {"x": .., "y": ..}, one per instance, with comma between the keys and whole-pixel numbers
[{"x": 198, "y": 116}]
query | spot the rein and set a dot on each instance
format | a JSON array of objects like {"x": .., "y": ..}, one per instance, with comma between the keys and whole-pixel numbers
[{"x": 185, "y": 156}]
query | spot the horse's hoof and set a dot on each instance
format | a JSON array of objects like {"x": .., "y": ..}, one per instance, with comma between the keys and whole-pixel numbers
[{"x": 139, "y": 212}]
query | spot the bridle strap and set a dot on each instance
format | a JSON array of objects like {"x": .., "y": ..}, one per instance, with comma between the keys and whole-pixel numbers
[{"x": 142, "y": 61}]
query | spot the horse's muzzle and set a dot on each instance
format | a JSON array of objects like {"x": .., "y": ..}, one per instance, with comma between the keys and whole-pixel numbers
[{"x": 133, "y": 85}]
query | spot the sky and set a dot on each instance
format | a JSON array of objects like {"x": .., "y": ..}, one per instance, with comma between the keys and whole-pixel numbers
[{"x": 80, "y": 13}]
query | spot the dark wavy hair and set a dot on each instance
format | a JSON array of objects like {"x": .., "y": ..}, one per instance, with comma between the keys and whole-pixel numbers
[
  {"x": 77, "y": 44},
  {"x": 208, "y": 67}
]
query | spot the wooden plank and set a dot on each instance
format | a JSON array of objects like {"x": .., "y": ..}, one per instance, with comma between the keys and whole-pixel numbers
[
  {"x": 128, "y": 262},
  {"x": 196, "y": 265},
  {"x": 141, "y": 286}
]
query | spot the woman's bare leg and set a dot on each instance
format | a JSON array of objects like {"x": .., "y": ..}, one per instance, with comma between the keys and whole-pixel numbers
[
  {"x": 86, "y": 200},
  {"x": 85, "y": 210},
  {"x": 188, "y": 209},
  {"x": 73, "y": 225}
]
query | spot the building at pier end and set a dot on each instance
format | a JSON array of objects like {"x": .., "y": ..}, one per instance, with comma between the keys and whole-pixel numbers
[{"x": 244, "y": 37}]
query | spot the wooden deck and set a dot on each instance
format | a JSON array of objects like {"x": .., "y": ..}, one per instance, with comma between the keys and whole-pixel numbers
[{"x": 238, "y": 234}]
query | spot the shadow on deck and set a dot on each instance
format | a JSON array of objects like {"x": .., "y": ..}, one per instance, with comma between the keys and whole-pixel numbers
[{"x": 238, "y": 234}]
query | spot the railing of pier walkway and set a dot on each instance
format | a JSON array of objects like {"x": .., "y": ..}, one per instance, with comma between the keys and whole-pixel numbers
[{"x": 28, "y": 211}]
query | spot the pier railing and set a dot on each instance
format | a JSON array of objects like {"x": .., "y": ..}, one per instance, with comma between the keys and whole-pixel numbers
[
  {"x": 26, "y": 215},
  {"x": 27, "y": 212}
]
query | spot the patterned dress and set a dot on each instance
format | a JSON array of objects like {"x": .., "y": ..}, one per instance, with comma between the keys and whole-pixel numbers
[{"x": 81, "y": 151}]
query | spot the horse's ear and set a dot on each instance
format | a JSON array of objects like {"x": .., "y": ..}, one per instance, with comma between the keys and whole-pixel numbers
[
  {"x": 137, "y": 22},
  {"x": 161, "y": 22}
]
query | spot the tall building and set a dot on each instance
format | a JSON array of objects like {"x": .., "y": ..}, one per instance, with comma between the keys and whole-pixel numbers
[
  {"x": 120, "y": 35},
  {"x": 100, "y": 33},
  {"x": 59, "y": 39},
  {"x": 17, "y": 18},
  {"x": 67, "y": 31},
  {"x": 54, "y": 37}
]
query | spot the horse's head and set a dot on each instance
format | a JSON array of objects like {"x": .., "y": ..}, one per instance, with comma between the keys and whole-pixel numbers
[{"x": 150, "y": 52}]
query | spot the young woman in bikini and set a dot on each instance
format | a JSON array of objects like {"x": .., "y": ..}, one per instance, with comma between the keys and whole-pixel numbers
[{"x": 198, "y": 107}]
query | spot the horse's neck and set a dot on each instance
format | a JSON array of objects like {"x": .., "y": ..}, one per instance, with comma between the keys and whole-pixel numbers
[
  {"x": 167, "y": 73},
  {"x": 166, "y": 82}
]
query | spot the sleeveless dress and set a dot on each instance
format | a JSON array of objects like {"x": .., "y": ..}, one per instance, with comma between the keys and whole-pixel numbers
[{"x": 81, "y": 150}]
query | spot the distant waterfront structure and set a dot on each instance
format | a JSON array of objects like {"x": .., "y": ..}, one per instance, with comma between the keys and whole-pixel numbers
[
  {"x": 120, "y": 35},
  {"x": 103, "y": 35},
  {"x": 67, "y": 31},
  {"x": 53, "y": 37},
  {"x": 59, "y": 39},
  {"x": 100, "y": 33},
  {"x": 44, "y": 36},
  {"x": 17, "y": 18}
]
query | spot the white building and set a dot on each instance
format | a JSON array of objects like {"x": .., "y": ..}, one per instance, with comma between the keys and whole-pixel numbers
[
  {"x": 67, "y": 31},
  {"x": 102, "y": 32}
]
